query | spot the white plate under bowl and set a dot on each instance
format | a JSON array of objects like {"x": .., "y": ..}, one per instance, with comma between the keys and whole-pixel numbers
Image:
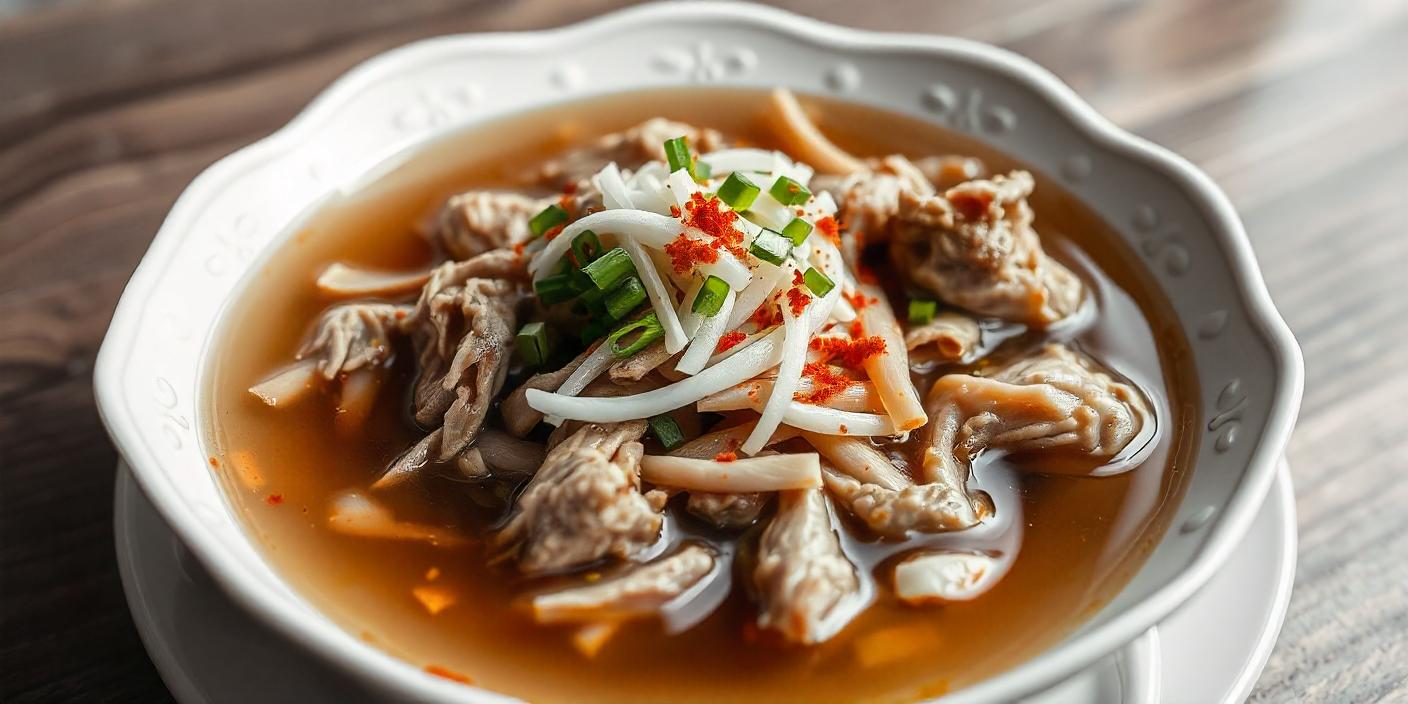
[
  {"x": 1188, "y": 237},
  {"x": 210, "y": 651}
]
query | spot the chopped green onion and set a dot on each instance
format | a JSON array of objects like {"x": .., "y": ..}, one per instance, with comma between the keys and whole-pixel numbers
[
  {"x": 921, "y": 312},
  {"x": 738, "y": 192},
  {"x": 797, "y": 231},
  {"x": 586, "y": 248},
  {"x": 610, "y": 269},
  {"x": 667, "y": 431},
  {"x": 677, "y": 154},
  {"x": 533, "y": 344},
  {"x": 711, "y": 297},
  {"x": 701, "y": 171},
  {"x": 788, "y": 192},
  {"x": 625, "y": 298},
  {"x": 818, "y": 282},
  {"x": 770, "y": 247},
  {"x": 555, "y": 289},
  {"x": 635, "y": 335},
  {"x": 551, "y": 217}
]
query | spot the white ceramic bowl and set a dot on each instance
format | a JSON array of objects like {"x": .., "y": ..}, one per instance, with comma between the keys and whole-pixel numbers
[{"x": 1248, "y": 365}]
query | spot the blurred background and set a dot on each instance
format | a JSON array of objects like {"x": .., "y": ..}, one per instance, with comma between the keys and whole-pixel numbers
[{"x": 108, "y": 108}]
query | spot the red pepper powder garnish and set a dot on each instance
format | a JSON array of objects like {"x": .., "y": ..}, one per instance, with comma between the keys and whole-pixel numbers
[
  {"x": 851, "y": 353},
  {"x": 566, "y": 201},
  {"x": 832, "y": 229},
  {"x": 554, "y": 232},
  {"x": 274, "y": 499},
  {"x": 686, "y": 253},
  {"x": 214, "y": 462},
  {"x": 675, "y": 211},
  {"x": 857, "y": 299},
  {"x": 797, "y": 279},
  {"x": 518, "y": 249},
  {"x": 866, "y": 274},
  {"x": 727, "y": 456},
  {"x": 797, "y": 300},
  {"x": 569, "y": 188},
  {"x": 766, "y": 316},
  {"x": 826, "y": 383},
  {"x": 448, "y": 674},
  {"x": 729, "y": 341},
  {"x": 857, "y": 328},
  {"x": 706, "y": 215}
]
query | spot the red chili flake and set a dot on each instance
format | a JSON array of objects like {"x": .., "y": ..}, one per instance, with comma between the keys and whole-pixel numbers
[
  {"x": 686, "y": 253},
  {"x": 850, "y": 352},
  {"x": 214, "y": 462},
  {"x": 857, "y": 328},
  {"x": 566, "y": 201},
  {"x": 832, "y": 229},
  {"x": 569, "y": 189},
  {"x": 826, "y": 383},
  {"x": 554, "y": 232},
  {"x": 706, "y": 215},
  {"x": 675, "y": 210},
  {"x": 843, "y": 429},
  {"x": 448, "y": 674},
  {"x": 727, "y": 456},
  {"x": 857, "y": 300},
  {"x": 400, "y": 315},
  {"x": 274, "y": 499},
  {"x": 729, "y": 341},
  {"x": 866, "y": 274},
  {"x": 797, "y": 279},
  {"x": 797, "y": 300},
  {"x": 766, "y": 316}
]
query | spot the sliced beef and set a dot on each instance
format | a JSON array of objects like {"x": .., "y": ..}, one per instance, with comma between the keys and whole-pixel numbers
[
  {"x": 353, "y": 336},
  {"x": 974, "y": 247},
  {"x": 629, "y": 149},
  {"x": 639, "y": 591},
  {"x": 1057, "y": 398},
  {"x": 519, "y": 417},
  {"x": 727, "y": 511},
  {"x": 950, "y": 337},
  {"x": 476, "y": 222},
  {"x": 893, "y": 512},
  {"x": 585, "y": 503},
  {"x": 802, "y": 577}
]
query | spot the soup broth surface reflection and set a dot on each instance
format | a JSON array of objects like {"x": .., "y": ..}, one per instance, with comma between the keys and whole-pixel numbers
[{"x": 1076, "y": 540}]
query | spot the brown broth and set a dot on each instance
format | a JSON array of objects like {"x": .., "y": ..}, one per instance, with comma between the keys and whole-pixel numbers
[{"x": 1080, "y": 538}]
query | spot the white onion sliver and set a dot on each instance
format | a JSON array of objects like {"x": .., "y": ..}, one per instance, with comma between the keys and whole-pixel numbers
[
  {"x": 635, "y": 225},
  {"x": 765, "y": 280},
  {"x": 794, "y": 356},
  {"x": 706, "y": 338},
  {"x": 612, "y": 187},
  {"x": 728, "y": 268},
  {"x": 592, "y": 367},
  {"x": 830, "y": 421},
  {"x": 689, "y": 320},
  {"x": 682, "y": 186},
  {"x": 660, "y": 300},
  {"x": 758, "y": 358}
]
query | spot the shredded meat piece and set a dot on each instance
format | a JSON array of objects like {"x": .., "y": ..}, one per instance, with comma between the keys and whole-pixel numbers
[
  {"x": 352, "y": 336},
  {"x": 950, "y": 337},
  {"x": 519, "y": 417},
  {"x": 636, "y": 366},
  {"x": 1056, "y": 398},
  {"x": 640, "y": 591},
  {"x": 585, "y": 503},
  {"x": 476, "y": 222},
  {"x": 802, "y": 577},
  {"x": 462, "y": 327},
  {"x": 974, "y": 247},
  {"x": 629, "y": 149},
  {"x": 945, "y": 172},
  {"x": 892, "y": 512}
]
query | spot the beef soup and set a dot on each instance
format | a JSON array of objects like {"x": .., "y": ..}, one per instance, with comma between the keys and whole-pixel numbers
[{"x": 704, "y": 396}]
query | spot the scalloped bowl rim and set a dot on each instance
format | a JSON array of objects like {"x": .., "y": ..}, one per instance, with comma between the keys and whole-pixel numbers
[{"x": 394, "y": 676}]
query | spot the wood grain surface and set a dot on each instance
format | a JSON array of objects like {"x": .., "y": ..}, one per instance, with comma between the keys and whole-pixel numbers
[{"x": 1298, "y": 108}]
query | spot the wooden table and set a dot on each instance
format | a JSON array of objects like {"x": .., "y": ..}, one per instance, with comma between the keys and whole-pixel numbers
[{"x": 1299, "y": 108}]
